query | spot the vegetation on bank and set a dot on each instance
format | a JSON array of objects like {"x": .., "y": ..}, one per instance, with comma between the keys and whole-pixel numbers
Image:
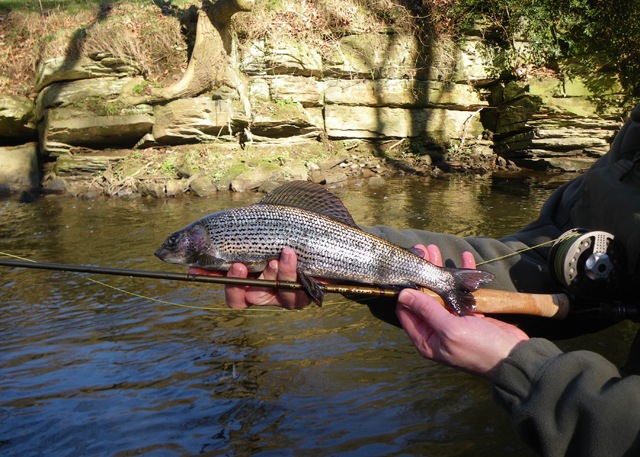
[{"x": 592, "y": 38}]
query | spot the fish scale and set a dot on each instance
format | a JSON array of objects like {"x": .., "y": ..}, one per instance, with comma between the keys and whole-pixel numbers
[{"x": 328, "y": 244}]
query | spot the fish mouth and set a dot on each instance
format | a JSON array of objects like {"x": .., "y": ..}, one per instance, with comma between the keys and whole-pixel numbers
[{"x": 169, "y": 256}]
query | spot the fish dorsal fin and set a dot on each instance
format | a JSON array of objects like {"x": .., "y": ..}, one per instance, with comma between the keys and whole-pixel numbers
[{"x": 311, "y": 197}]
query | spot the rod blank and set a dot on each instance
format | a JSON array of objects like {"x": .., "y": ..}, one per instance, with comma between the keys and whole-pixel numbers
[{"x": 330, "y": 288}]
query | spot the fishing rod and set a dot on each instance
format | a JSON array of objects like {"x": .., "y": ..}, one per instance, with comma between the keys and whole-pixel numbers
[
  {"x": 151, "y": 274},
  {"x": 487, "y": 300}
]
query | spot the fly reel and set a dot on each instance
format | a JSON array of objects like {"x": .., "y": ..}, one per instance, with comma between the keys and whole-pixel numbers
[{"x": 589, "y": 265}]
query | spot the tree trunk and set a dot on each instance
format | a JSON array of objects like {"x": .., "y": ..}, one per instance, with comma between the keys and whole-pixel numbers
[{"x": 209, "y": 61}]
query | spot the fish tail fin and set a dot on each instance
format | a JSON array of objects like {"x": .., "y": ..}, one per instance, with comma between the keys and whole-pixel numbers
[{"x": 466, "y": 281}]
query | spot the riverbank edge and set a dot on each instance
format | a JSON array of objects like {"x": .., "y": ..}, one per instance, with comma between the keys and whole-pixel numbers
[{"x": 204, "y": 169}]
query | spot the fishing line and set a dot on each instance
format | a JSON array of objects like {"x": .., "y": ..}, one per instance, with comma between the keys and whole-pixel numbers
[
  {"x": 560, "y": 239},
  {"x": 144, "y": 297}
]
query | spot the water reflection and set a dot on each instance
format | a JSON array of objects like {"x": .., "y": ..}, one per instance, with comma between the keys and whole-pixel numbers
[{"x": 90, "y": 370}]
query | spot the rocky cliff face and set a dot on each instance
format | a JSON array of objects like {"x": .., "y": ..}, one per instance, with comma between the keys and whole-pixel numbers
[{"x": 373, "y": 88}]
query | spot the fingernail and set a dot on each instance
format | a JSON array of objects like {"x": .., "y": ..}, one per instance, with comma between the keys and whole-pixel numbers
[
  {"x": 406, "y": 297},
  {"x": 236, "y": 269},
  {"x": 273, "y": 265},
  {"x": 285, "y": 255}
]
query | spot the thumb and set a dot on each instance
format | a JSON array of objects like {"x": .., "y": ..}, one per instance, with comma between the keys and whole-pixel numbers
[{"x": 426, "y": 307}]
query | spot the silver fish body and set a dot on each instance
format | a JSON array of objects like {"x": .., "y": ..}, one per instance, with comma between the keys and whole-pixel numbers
[{"x": 325, "y": 248}]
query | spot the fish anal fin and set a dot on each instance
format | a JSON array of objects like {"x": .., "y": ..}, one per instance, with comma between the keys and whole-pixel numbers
[
  {"x": 310, "y": 197},
  {"x": 312, "y": 287}
]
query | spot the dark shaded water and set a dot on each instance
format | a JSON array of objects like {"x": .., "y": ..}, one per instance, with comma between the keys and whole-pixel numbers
[{"x": 87, "y": 369}]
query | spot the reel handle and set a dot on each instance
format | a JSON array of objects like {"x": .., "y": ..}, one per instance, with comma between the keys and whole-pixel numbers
[{"x": 590, "y": 265}]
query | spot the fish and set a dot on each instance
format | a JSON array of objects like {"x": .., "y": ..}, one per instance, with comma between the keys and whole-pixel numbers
[{"x": 329, "y": 245}]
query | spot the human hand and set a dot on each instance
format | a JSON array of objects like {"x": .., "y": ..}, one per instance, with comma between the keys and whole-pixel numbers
[
  {"x": 283, "y": 269},
  {"x": 473, "y": 343}
]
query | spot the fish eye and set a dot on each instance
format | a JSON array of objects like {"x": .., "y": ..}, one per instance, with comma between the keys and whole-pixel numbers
[{"x": 172, "y": 240}]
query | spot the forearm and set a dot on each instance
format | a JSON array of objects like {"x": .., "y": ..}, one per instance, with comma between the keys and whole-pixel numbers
[{"x": 569, "y": 404}]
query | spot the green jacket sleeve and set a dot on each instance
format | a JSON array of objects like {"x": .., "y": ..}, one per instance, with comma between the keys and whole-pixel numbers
[{"x": 574, "y": 403}]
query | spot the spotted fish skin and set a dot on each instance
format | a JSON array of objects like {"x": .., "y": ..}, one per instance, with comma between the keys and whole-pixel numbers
[{"x": 328, "y": 244}]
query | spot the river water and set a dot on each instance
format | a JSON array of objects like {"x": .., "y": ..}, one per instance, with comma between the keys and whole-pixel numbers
[{"x": 89, "y": 369}]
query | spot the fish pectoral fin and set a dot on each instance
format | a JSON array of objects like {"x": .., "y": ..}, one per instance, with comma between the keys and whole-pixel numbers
[
  {"x": 256, "y": 267},
  {"x": 399, "y": 287},
  {"x": 312, "y": 287}
]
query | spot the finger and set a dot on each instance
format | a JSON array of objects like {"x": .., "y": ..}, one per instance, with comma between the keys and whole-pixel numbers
[
  {"x": 420, "y": 331},
  {"x": 416, "y": 330},
  {"x": 434, "y": 255},
  {"x": 264, "y": 295},
  {"x": 427, "y": 308},
  {"x": 270, "y": 273},
  {"x": 468, "y": 261},
  {"x": 236, "y": 295},
  {"x": 287, "y": 271}
]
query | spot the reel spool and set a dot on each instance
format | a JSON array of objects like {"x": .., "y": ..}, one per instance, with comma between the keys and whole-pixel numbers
[{"x": 590, "y": 265}]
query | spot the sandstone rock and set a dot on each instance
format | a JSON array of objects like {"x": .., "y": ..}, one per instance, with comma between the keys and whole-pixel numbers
[
  {"x": 317, "y": 176},
  {"x": 537, "y": 126},
  {"x": 542, "y": 86},
  {"x": 295, "y": 171},
  {"x": 152, "y": 189},
  {"x": 54, "y": 148},
  {"x": 306, "y": 91},
  {"x": 568, "y": 163},
  {"x": 254, "y": 177},
  {"x": 96, "y": 66},
  {"x": 54, "y": 186},
  {"x": 281, "y": 57},
  {"x": 334, "y": 177},
  {"x": 268, "y": 186},
  {"x": 379, "y": 55},
  {"x": 147, "y": 141},
  {"x": 402, "y": 93},
  {"x": 173, "y": 187},
  {"x": 87, "y": 164},
  {"x": 17, "y": 118},
  {"x": 83, "y": 128},
  {"x": 192, "y": 120},
  {"x": 202, "y": 186},
  {"x": 285, "y": 57},
  {"x": 19, "y": 168},
  {"x": 473, "y": 63},
  {"x": 333, "y": 161},
  {"x": 376, "y": 181},
  {"x": 259, "y": 89},
  {"x": 392, "y": 55},
  {"x": 440, "y": 125},
  {"x": 94, "y": 95},
  {"x": 285, "y": 120}
]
